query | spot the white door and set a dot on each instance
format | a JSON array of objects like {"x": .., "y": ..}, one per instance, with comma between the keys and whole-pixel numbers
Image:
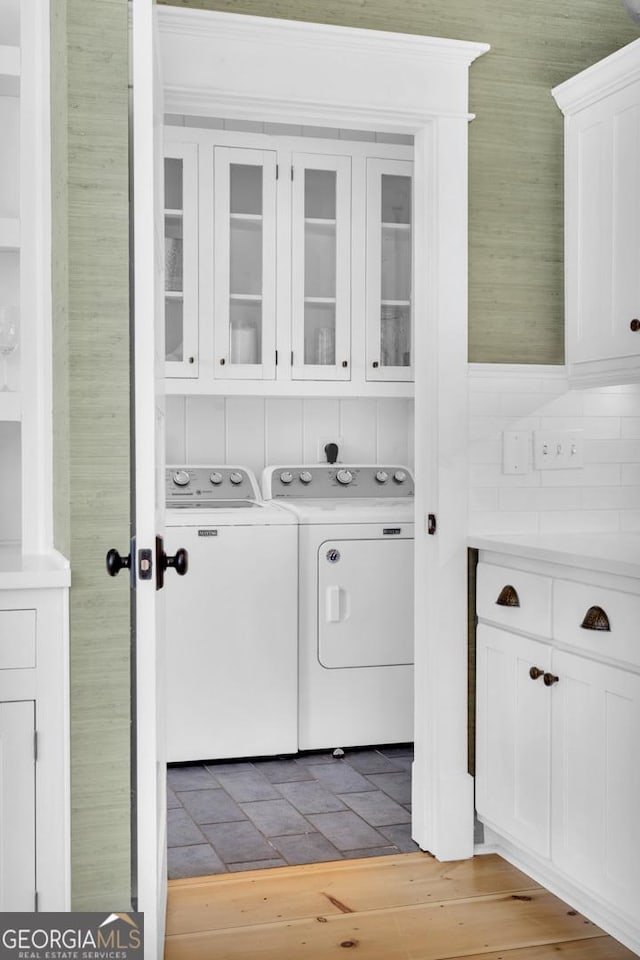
[
  {"x": 148, "y": 260},
  {"x": 17, "y": 807}
]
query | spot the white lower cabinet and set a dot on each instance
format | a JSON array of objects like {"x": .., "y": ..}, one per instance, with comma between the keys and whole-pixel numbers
[
  {"x": 557, "y": 734},
  {"x": 17, "y": 806}
]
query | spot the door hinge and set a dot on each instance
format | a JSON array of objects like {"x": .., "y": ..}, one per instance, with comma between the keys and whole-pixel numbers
[
  {"x": 276, "y": 358},
  {"x": 35, "y": 745},
  {"x": 35, "y": 901},
  {"x": 292, "y": 173},
  {"x": 292, "y": 358},
  {"x": 277, "y": 170}
]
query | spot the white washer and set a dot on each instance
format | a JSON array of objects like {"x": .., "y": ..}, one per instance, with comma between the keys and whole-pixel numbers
[
  {"x": 231, "y": 623},
  {"x": 355, "y": 545}
]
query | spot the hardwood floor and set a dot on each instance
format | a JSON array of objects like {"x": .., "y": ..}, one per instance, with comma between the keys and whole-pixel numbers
[{"x": 409, "y": 907}]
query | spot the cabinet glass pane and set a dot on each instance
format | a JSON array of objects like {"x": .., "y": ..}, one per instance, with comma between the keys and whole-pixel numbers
[
  {"x": 245, "y": 320},
  {"x": 246, "y": 257},
  {"x": 320, "y": 194},
  {"x": 396, "y": 199},
  {"x": 246, "y": 189},
  {"x": 173, "y": 253},
  {"x": 320, "y": 334},
  {"x": 174, "y": 328},
  {"x": 395, "y": 336},
  {"x": 173, "y": 183},
  {"x": 396, "y": 262},
  {"x": 320, "y": 260}
]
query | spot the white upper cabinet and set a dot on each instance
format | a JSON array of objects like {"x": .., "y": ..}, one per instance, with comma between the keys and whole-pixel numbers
[
  {"x": 244, "y": 263},
  {"x": 321, "y": 267},
  {"x": 602, "y": 220},
  {"x": 389, "y": 270},
  {"x": 288, "y": 273},
  {"x": 181, "y": 259}
]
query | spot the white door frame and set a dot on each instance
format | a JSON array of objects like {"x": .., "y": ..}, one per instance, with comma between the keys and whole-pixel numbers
[{"x": 243, "y": 67}]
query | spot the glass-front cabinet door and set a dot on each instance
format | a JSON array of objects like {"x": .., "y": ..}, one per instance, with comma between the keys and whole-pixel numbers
[
  {"x": 181, "y": 259},
  {"x": 389, "y": 270},
  {"x": 244, "y": 267},
  {"x": 321, "y": 267}
]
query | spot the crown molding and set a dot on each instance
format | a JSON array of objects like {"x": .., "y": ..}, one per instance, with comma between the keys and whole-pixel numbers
[{"x": 601, "y": 80}]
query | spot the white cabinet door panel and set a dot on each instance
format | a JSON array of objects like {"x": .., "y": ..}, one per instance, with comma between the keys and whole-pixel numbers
[
  {"x": 513, "y": 737},
  {"x": 596, "y": 776},
  {"x": 17, "y": 807}
]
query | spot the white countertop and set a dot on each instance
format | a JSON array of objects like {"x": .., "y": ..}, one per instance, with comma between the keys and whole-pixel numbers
[
  {"x": 617, "y": 553},
  {"x": 19, "y": 571}
]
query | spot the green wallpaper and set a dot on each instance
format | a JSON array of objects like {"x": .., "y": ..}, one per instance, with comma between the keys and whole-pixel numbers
[
  {"x": 91, "y": 425},
  {"x": 515, "y": 161}
]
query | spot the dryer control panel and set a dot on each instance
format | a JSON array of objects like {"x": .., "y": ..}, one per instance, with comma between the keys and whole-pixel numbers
[
  {"x": 207, "y": 487},
  {"x": 333, "y": 481}
]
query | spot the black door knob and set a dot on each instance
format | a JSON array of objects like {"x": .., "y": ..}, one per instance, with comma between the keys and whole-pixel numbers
[
  {"x": 178, "y": 562},
  {"x": 116, "y": 563}
]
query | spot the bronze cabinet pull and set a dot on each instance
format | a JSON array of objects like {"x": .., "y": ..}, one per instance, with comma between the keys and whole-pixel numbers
[
  {"x": 508, "y": 597},
  {"x": 535, "y": 673},
  {"x": 595, "y": 619}
]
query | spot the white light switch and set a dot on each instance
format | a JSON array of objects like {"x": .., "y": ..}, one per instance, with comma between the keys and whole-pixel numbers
[
  {"x": 516, "y": 455},
  {"x": 558, "y": 449}
]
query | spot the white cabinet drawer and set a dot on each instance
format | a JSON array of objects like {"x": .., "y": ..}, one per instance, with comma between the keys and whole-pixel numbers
[
  {"x": 572, "y": 601},
  {"x": 531, "y": 592},
  {"x": 17, "y": 639}
]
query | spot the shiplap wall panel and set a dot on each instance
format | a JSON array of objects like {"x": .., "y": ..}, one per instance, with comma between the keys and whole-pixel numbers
[
  {"x": 516, "y": 312},
  {"x": 91, "y": 450},
  {"x": 206, "y": 430}
]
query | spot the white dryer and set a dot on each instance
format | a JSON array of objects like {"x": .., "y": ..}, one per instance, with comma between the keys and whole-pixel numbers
[
  {"x": 231, "y": 625},
  {"x": 355, "y": 583}
]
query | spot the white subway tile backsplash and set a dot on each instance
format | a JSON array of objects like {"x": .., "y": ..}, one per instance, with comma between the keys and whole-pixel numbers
[
  {"x": 580, "y": 521},
  {"x": 604, "y": 495}
]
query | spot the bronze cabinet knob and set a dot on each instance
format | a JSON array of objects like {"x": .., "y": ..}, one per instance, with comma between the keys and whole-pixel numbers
[
  {"x": 550, "y": 679},
  {"x": 634, "y": 326},
  {"x": 535, "y": 673}
]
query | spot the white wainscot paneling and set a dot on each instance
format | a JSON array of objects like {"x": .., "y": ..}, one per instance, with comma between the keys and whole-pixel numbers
[
  {"x": 284, "y": 431},
  {"x": 321, "y": 419},
  {"x": 394, "y": 418},
  {"x": 206, "y": 430},
  {"x": 358, "y": 431},
  {"x": 245, "y": 432},
  {"x": 175, "y": 426}
]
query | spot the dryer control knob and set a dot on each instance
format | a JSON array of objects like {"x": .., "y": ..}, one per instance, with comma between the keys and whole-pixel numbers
[
  {"x": 344, "y": 477},
  {"x": 181, "y": 478},
  {"x": 216, "y": 478},
  {"x": 306, "y": 476},
  {"x": 400, "y": 476},
  {"x": 286, "y": 476},
  {"x": 235, "y": 477},
  {"x": 382, "y": 476}
]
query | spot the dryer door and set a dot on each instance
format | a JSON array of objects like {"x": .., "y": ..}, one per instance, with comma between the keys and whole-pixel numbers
[{"x": 365, "y": 603}]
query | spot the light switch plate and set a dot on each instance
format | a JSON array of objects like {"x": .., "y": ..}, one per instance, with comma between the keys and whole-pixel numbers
[{"x": 558, "y": 449}]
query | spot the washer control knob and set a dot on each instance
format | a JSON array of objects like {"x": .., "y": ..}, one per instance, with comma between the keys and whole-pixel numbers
[
  {"x": 216, "y": 478},
  {"x": 286, "y": 476},
  {"x": 236, "y": 477},
  {"x": 400, "y": 476},
  {"x": 344, "y": 477},
  {"x": 181, "y": 478},
  {"x": 382, "y": 476},
  {"x": 306, "y": 477}
]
